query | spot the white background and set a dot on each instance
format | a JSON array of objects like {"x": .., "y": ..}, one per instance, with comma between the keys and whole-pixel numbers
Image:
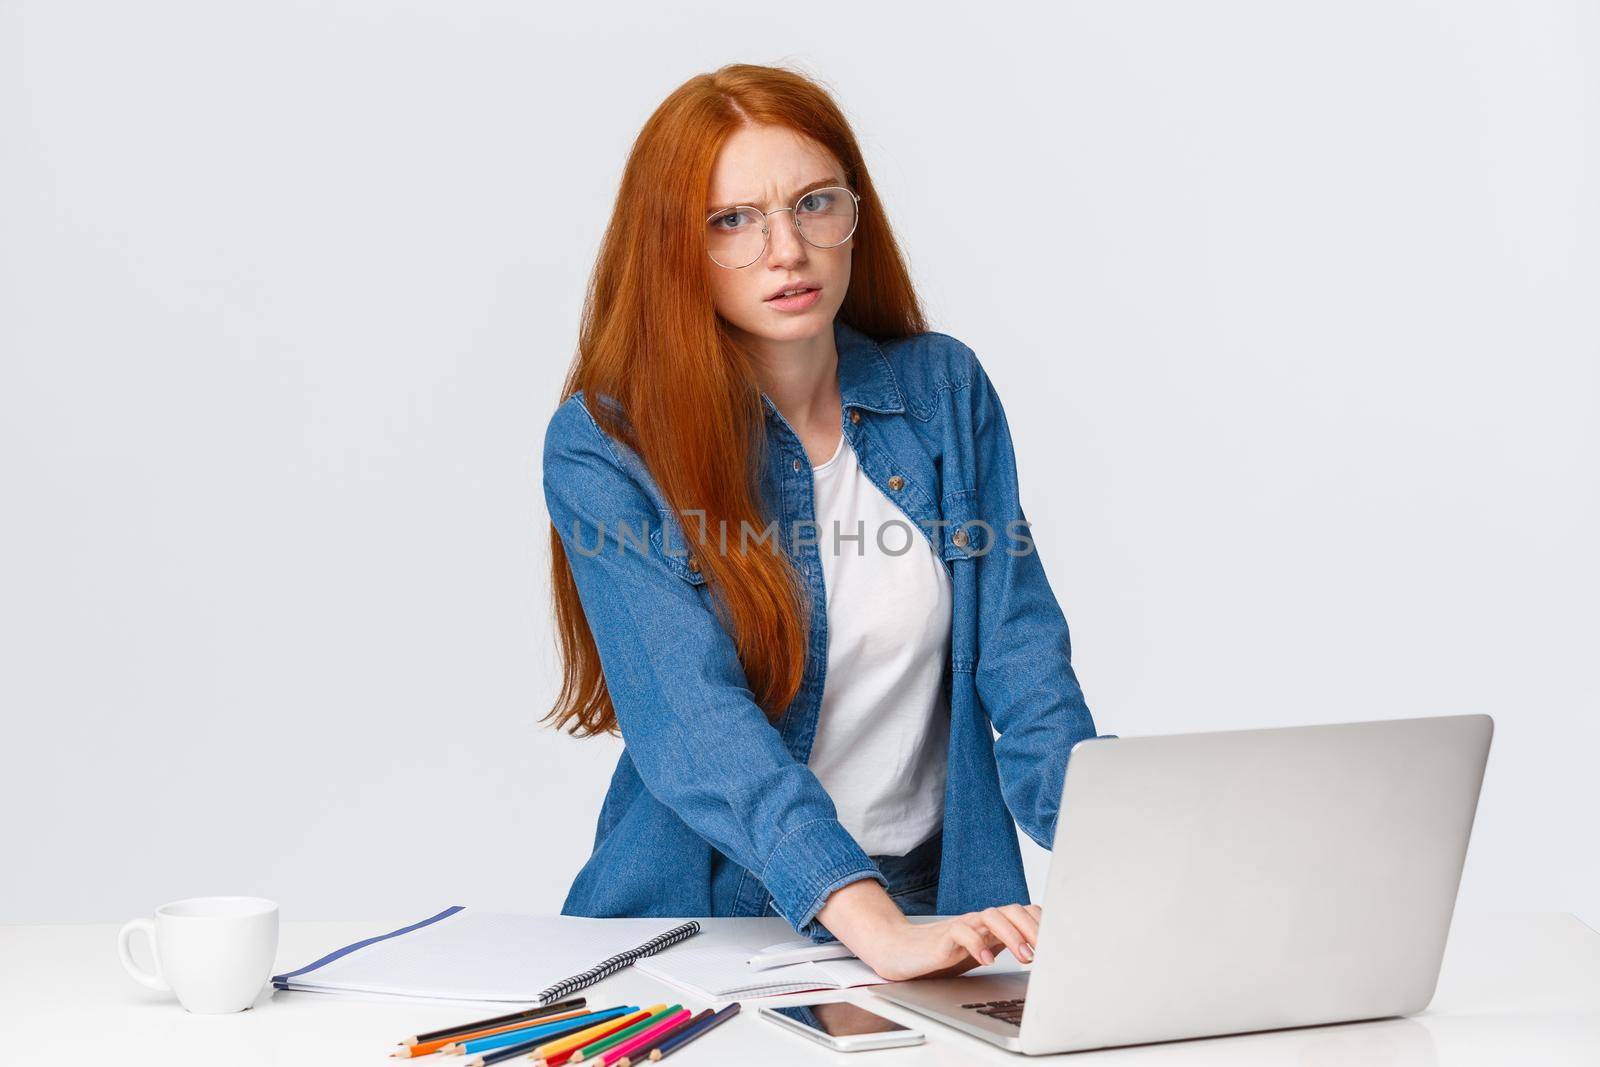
[{"x": 1292, "y": 308}]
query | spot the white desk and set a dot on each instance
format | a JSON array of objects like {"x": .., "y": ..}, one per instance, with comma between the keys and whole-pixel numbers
[{"x": 1514, "y": 989}]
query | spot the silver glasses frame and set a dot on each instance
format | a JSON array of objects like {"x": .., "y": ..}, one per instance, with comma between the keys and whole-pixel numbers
[{"x": 766, "y": 229}]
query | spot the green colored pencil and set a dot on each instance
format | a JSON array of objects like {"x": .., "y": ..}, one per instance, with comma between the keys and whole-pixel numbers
[{"x": 622, "y": 1035}]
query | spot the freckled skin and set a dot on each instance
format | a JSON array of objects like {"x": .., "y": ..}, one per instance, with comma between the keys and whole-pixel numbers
[{"x": 765, "y": 166}]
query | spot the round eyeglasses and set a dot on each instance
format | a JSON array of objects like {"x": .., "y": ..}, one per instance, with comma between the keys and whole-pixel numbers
[{"x": 737, "y": 236}]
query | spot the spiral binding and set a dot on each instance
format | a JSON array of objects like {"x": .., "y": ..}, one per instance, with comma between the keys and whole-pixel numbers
[{"x": 611, "y": 966}]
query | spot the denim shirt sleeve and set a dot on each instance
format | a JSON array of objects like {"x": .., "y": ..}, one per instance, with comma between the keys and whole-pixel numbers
[
  {"x": 701, "y": 744},
  {"x": 1023, "y": 670}
]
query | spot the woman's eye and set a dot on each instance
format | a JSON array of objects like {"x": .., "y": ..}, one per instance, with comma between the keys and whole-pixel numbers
[
  {"x": 815, "y": 202},
  {"x": 730, "y": 221}
]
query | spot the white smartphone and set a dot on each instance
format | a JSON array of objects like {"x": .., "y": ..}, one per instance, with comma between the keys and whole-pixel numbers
[{"x": 842, "y": 1026}]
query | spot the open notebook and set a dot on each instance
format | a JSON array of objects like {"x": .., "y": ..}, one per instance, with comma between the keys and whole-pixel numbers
[
  {"x": 720, "y": 972},
  {"x": 462, "y": 954}
]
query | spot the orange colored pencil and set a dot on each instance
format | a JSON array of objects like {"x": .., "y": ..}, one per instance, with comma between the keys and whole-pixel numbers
[
  {"x": 428, "y": 1047},
  {"x": 557, "y": 1052}
]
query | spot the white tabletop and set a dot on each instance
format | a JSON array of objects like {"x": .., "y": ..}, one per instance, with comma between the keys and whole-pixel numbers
[{"x": 1514, "y": 989}]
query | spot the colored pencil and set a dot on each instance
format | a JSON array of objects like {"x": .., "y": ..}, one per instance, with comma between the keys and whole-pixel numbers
[
  {"x": 597, "y": 1047},
  {"x": 543, "y": 1032},
  {"x": 670, "y": 1032},
  {"x": 699, "y": 1020},
  {"x": 484, "y": 1024},
  {"x": 510, "y": 1052},
  {"x": 689, "y": 1033},
  {"x": 522, "y": 1048},
  {"x": 499, "y": 1054},
  {"x": 427, "y": 1047},
  {"x": 648, "y": 1039},
  {"x": 556, "y": 1052}
]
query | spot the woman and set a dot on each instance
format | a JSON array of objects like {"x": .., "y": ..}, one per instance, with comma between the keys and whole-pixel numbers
[{"x": 790, "y": 566}]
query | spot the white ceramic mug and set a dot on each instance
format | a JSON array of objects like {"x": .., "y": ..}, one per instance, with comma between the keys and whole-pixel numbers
[{"x": 215, "y": 953}]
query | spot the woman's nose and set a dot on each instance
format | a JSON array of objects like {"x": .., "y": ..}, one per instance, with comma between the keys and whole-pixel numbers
[{"x": 784, "y": 243}]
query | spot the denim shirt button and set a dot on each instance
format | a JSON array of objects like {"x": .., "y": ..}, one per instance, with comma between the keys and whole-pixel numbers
[
  {"x": 959, "y": 538},
  {"x": 694, "y": 564},
  {"x": 855, "y": 416},
  {"x": 797, "y": 463},
  {"x": 896, "y": 482}
]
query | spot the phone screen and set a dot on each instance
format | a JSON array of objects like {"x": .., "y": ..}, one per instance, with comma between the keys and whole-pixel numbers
[{"x": 839, "y": 1019}]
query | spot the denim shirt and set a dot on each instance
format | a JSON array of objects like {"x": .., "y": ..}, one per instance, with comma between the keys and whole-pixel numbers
[{"x": 712, "y": 809}]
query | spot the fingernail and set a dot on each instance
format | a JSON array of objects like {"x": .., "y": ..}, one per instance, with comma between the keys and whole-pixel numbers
[
  {"x": 1027, "y": 952},
  {"x": 987, "y": 957}
]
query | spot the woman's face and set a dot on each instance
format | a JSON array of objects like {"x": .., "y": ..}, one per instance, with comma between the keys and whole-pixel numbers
[{"x": 769, "y": 167}]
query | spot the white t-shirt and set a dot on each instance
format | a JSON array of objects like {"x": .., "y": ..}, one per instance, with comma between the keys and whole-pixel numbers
[{"x": 884, "y": 729}]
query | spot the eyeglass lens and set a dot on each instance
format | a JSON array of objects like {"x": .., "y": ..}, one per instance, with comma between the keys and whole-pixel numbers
[{"x": 825, "y": 218}]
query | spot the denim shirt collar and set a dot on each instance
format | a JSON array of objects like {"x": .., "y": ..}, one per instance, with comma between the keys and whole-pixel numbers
[
  {"x": 865, "y": 377},
  {"x": 866, "y": 380}
]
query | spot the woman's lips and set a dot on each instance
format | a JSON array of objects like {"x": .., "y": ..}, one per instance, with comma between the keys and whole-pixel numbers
[{"x": 798, "y": 302}]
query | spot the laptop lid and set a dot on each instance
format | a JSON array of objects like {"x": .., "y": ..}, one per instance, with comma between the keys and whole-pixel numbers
[{"x": 1223, "y": 882}]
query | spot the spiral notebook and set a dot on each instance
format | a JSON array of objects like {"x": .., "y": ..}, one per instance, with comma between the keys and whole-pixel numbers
[{"x": 464, "y": 954}]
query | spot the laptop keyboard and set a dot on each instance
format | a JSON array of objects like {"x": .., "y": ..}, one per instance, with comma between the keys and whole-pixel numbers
[{"x": 1007, "y": 1011}]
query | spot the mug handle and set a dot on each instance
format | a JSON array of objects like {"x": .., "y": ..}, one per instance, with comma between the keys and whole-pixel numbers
[{"x": 140, "y": 975}]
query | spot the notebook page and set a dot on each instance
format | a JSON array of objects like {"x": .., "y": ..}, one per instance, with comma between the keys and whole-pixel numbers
[
  {"x": 720, "y": 972},
  {"x": 846, "y": 973},
  {"x": 476, "y": 955}
]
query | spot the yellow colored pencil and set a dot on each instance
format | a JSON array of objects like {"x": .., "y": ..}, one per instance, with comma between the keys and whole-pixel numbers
[{"x": 557, "y": 1050}]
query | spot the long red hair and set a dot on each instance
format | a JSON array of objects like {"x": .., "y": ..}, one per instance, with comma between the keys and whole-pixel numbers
[{"x": 650, "y": 338}]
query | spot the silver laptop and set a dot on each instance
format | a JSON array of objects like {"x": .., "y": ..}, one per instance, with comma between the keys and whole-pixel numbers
[{"x": 1220, "y": 883}]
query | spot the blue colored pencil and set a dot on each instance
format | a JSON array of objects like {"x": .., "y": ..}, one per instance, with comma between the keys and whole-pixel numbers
[
  {"x": 689, "y": 1033},
  {"x": 688, "y": 1022},
  {"x": 522, "y": 1048},
  {"x": 542, "y": 1031},
  {"x": 511, "y": 1052}
]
